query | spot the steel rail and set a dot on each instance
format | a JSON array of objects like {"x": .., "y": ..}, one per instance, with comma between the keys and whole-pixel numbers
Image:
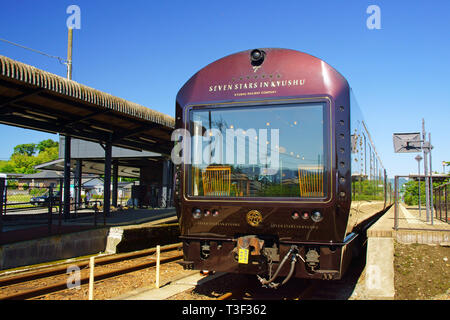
[
  {"x": 225, "y": 296},
  {"x": 305, "y": 293},
  {"x": 99, "y": 261},
  {"x": 62, "y": 285}
]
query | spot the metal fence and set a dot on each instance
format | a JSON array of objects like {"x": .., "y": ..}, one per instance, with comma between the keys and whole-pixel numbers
[
  {"x": 439, "y": 203},
  {"x": 37, "y": 201},
  {"x": 441, "y": 198},
  {"x": 28, "y": 201},
  {"x": 40, "y": 201},
  {"x": 28, "y": 196},
  {"x": 22, "y": 196}
]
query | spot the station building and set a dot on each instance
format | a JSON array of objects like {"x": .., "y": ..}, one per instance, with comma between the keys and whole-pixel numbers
[{"x": 99, "y": 133}]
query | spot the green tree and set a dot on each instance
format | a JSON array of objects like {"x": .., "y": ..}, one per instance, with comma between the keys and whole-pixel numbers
[
  {"x": 23, "y": 159},
  {"x": 411, "y": 191},
  {"x": 46, "y": 144},
  {"x": 48, "y": 154},
  {"x": 23, "y": 163},
  {"x": 6, "y": 166},
  {"x": 25, "y": 149}
]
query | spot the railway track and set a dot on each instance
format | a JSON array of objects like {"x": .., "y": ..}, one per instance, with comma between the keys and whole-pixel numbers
[
  {"x": 247, "y": 287},
  {"x": 303, "y": 291},
  {"x": 37, "y": 283}
]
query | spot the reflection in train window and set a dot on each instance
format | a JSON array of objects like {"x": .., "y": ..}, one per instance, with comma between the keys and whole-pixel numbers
[{"x": 259, "y": 151}]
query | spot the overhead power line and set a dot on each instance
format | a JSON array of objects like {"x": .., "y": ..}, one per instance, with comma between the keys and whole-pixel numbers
[{"x": 61, "y": 60}]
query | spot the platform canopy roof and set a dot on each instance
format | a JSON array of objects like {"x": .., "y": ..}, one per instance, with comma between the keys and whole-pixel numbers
[
  {"x": 35, "y": 99},
  {"x": 129, "y": 168},
  {"x": 437, "y": 177}
]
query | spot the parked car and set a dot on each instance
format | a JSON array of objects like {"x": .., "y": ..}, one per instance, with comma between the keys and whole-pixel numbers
[{"x": 44, "y": 199}]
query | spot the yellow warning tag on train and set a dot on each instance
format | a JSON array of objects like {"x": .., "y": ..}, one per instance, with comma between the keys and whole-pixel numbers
[{"x": 243, "y": 256}]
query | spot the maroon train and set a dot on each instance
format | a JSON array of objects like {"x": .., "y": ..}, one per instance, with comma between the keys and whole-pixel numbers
[{"x": 278, "y": 173}]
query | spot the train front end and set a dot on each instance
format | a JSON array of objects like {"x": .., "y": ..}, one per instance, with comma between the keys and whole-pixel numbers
[{"x": 262, "y": 166}]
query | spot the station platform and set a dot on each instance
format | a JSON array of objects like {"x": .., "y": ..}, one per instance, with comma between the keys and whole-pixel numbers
[
  {"x": 33, "y": 228},
  {"x": 411, "y": 227},
  {"x": 169, "y": 289},
  {"x": 24, "y": 243}
]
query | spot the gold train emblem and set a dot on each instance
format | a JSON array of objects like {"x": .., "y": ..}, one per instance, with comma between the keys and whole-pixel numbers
[{"x": 254, "y": 218}]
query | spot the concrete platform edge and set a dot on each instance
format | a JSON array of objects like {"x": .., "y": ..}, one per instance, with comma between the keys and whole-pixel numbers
[
  {"x": 379, "y": 280},
  {"x": 52, "y": 248},
  {"x": 169, "y": 289}
]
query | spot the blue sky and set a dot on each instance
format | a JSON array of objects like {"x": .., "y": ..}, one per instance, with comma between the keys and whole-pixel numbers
[{"x": 144, "y": 51}]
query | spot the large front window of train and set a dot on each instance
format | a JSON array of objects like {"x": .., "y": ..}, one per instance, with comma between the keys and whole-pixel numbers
[{"x": 259, "y": 151}]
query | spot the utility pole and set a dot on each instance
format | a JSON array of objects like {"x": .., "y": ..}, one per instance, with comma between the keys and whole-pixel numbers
[
  {"x": 425, "y": 163},
  {"x": 69, "y": 54},
  {"x": 67, "y": 138},
  {"x": 431, "y": 180},
  {"x": 418, "y": 159}
]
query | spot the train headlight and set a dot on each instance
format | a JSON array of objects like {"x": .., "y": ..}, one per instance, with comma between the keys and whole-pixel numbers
[
  {"x": 316, "y": 216},
  {"x": 257, "y": 57},
  {"x": 207, "y": 213},
  {"x": 215, "y": 213},
  {"x": 295, "y": 215},
  {"x": 305, "y": 215},
  {"x": 196, "y": 213}
]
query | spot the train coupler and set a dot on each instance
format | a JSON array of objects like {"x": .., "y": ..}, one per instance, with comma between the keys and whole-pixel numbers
[
  {"x": 293, "y": 252},
  {"x": 248, "y": 247}
]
